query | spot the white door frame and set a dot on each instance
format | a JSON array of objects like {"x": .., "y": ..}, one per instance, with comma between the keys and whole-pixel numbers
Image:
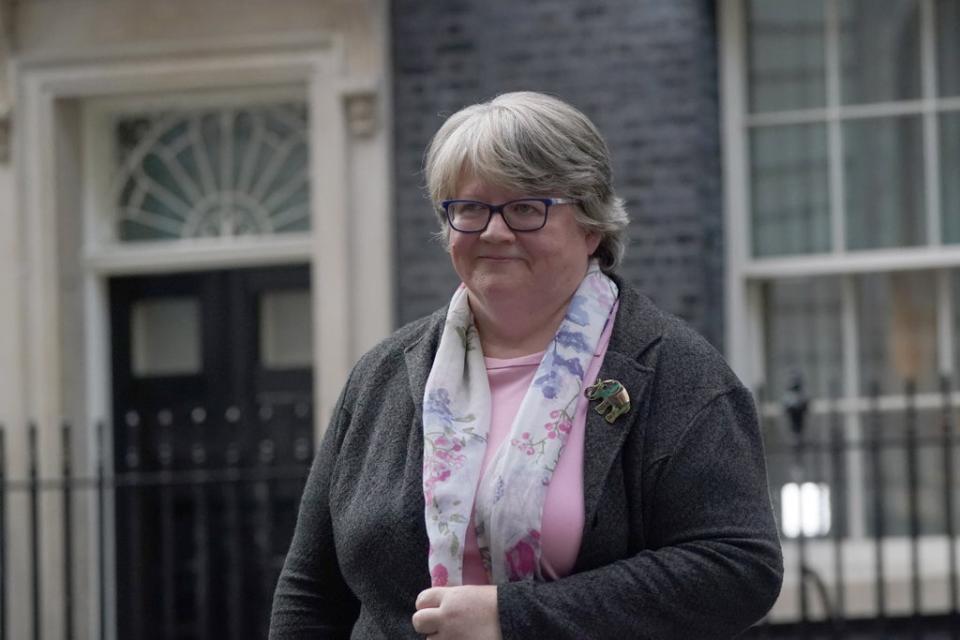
[{"x": 44, "y": 86}]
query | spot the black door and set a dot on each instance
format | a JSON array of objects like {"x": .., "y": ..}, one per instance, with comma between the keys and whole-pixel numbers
[{"x": 212, "y": 387}]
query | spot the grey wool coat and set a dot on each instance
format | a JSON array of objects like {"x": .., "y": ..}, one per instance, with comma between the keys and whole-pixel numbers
[{"x": 679, "y": 539}]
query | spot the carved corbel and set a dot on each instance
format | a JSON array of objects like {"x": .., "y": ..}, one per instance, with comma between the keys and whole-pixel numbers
[
  {"x": 4, "y": 134},
  {"x": 7, "y": 46},
  {"x": 361, "y": 112},
  {"x": 6, "y": 26}
]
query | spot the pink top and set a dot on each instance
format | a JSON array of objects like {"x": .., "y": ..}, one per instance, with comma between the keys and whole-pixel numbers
[{"x": 562, "y": 525}]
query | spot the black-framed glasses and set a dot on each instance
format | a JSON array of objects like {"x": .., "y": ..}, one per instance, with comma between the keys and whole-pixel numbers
[{"x": 525, "y": 214}]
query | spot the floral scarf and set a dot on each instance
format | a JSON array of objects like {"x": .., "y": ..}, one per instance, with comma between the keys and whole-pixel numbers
[{"x": 507, "y": 502}]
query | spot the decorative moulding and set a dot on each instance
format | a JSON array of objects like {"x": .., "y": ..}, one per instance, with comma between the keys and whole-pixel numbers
[
  {"x": 291, "y": 42},
  {"x": 361, "y": 111},
  {"x": 5, "y": 133}
]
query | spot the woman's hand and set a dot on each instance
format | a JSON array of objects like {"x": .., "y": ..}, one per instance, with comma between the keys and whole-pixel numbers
[{"x": 467, "y": 613}]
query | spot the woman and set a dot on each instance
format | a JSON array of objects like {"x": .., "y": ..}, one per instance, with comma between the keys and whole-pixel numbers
[{"x": 467, "y": 487}]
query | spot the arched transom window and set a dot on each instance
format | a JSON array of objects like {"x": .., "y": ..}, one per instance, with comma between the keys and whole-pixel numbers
[{"x": 211, "y": 172}]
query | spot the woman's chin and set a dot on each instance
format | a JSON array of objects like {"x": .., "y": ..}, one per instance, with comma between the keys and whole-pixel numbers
[{"x": 496, "y": 287}]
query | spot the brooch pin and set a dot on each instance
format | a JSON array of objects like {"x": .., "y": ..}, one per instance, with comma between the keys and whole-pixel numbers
[{"x": 614, "y": 399}]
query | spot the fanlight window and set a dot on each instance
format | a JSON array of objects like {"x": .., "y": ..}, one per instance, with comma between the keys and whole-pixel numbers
[{"x": 204, "y": 173}]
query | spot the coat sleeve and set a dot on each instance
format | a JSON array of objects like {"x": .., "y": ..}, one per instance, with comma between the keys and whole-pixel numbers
[
  {"x": 712, "y": 566},
  {"x": 312, "y": 600}
]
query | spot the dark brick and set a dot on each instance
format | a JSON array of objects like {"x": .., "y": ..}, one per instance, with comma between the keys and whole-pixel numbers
[{"x": 644, "y": 70}]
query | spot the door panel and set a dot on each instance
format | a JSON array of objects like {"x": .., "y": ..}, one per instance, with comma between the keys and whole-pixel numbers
[{"x": 213, "y": 423}]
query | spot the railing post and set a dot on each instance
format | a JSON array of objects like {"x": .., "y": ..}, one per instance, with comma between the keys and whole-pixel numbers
[
  {"x": 132, "y": 482},
  {"x": 795, "y": 404},
  {"x": 34, "y": 528},
  {"x": 234, "y": 548},
  {"x": 838, "y": 506},
  {"x": 201, "y": 539},
  {"x": 264, "y": 534},
  {"x": 3, "y": 533},
  {"x": 912, "y": 501},
  {"x": 67, "y": 473},
  {"x": 168, "y": 560},
  {"x": 876, "y": 428},
  {"x": 101, "y": 531},
  {"x": 947, "y": 445}
]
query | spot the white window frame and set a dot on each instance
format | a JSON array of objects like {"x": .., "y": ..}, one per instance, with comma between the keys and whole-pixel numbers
[
  {"x": 746, "y": 275},
  {"x": 744, "y": 272}
]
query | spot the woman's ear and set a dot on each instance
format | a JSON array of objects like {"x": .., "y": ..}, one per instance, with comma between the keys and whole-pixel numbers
[{"x": 593, "y": 241}]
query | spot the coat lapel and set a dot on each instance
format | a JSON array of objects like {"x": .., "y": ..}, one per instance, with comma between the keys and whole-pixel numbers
[
  {"x": 419, "y": 358},
  {"x": 602, "y": 440},
  {"x": 637, "y": 327}
]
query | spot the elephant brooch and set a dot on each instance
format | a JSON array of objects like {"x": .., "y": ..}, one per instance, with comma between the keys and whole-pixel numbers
[{"x": 614, "y": 399}]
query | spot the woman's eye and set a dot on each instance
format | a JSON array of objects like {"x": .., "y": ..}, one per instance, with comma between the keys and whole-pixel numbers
[
  {"x": 525, "y": 209},
  {"x": 470, "y": 209}
]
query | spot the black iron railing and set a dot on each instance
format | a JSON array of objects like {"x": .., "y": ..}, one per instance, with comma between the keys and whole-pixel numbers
[
  {"x": 906, "y": 462},
  {"x": 199, "y": 528},
  {"x": 202, "y": 518}
]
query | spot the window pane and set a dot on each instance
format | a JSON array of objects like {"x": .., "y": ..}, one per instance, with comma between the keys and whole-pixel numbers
[
  {"x": 948, "y": 46},
  {"x": 880, "y": 50},
  {"x": 884, "y": 181},
  {"x": 212, "y": 172},
  {"x": 786, "y": 54},
  {"x": 789, "y": 190},
  {"x": 803, "y": 335},
  {"x": 166, "y": 337},
  {"x": 286, "y": 330},
  {"x": 897, "y": 327},
  {"x": 949, "y": 172}
]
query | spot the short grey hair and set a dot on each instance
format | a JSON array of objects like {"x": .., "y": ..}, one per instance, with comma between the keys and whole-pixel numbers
[{"x": 537, "y": 144}]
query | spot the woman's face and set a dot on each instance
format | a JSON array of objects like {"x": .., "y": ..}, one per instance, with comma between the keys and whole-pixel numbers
[{"x": 500, "y": 266}]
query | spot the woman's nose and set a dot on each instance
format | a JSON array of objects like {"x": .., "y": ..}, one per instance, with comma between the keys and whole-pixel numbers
[{"x": 497, "y": 230}]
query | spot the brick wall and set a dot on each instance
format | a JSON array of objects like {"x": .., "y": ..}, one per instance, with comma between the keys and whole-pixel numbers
[{"x": 644, "y": 70}]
